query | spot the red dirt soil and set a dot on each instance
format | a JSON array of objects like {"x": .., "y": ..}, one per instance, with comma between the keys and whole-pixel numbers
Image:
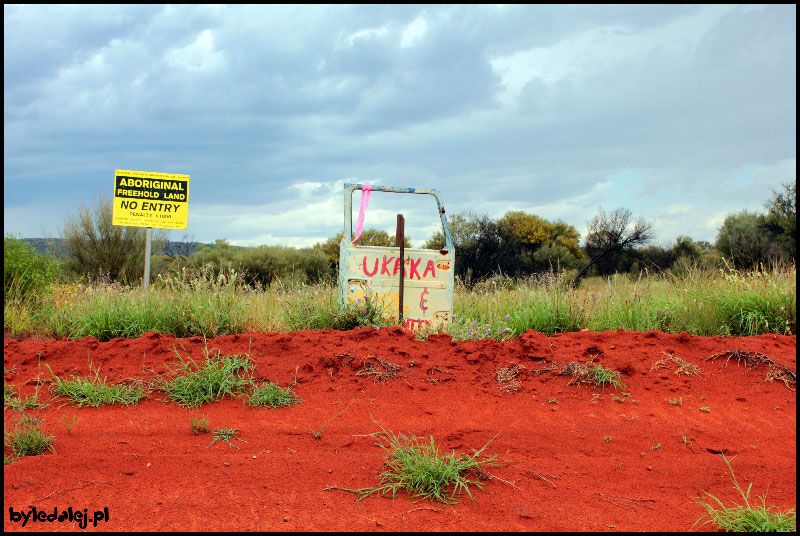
[{"x": 575, "y": 457}]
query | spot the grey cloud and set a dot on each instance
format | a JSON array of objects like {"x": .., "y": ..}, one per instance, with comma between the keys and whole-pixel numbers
[{"x": 295, "y": 93}]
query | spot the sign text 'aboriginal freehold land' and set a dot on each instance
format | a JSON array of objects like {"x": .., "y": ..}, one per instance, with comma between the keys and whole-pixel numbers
[{"x": 150, "y": 199}]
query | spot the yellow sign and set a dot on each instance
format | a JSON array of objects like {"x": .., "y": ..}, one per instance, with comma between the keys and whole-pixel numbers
[{"x": 149, "y": 199}]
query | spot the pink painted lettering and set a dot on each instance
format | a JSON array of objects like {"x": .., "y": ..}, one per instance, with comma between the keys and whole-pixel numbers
[
  {"x": 431, "y": 266},
  {"x": 415, "y": 324},
  {"x": 385, "y": 264},
  {"x": 375, "y": 271},
  {"x": 413, "y": 269}
]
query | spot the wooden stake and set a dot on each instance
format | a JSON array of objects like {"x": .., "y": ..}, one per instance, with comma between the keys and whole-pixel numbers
[{"x": 399, "y": 238}]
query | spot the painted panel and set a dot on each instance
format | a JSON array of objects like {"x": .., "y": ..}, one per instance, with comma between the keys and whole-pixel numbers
[{"x": 428, "y": 283}]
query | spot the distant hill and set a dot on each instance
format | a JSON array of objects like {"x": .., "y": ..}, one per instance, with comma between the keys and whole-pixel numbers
[
  {"x": 56, "y": 248},
  {"x": 44, "y": 246}
]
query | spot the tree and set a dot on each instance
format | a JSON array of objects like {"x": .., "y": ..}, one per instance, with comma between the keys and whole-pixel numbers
[
  {"x": 687, "y": 254},
  {"x": 461, "y": 227},
  {"x": 95, "y": 247},
  {"x": 781, "y": 220},
  {"x": 518, "y": 243},
  {"x": 533, "y": 244},
  {"x": 745, "y": 240},
  {"x": 612, "y": 234},
  {"x": 221, "y": 257},
  {"x": 553, "y": 257},
  {"x": 480, "y": 253},
  {"x": 653, "y": 257},
  {"x": 687, "y": 248},
  {"x": 184, "y": 247},
  {"x": 478, "y": 244}
]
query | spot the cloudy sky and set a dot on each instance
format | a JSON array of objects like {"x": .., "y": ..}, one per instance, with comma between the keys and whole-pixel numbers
[{"x": 682, "y": 114}]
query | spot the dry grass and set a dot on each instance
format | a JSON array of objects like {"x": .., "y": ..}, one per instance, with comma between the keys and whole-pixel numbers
[
  {"x": 683, "y": 367},
  {"x": 594, "y": 374},
  {"x": 573, "y": 369},
  {"x": 508, "y": 375},
  {"x": 381, "y": 371},
  {"x": 776, "y": 371},
  {"x": 550, "y": 368},
  {"x": 513, "y": 386}
]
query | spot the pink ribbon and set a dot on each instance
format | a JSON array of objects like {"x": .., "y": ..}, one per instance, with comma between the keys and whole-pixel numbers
[{"x": 365, "y": 190}]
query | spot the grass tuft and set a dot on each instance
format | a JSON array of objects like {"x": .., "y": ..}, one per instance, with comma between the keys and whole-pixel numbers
[
  {"x": 317, "y": 433},
  {"x": 746, "y": 517},
  {"x": 199, "y": 424},
  {"x": 94, "y": 392},
  {"x": 13, "y": 401},
  {"x": 194, "y": 384},
  {"x": 272, "y": 395},
  {"x": 27, "y": 438},
  {"x": 225, "y": 435},
  {"x": 416, "y": 465}
]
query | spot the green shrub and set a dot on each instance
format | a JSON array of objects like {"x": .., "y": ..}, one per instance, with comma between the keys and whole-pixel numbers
[
  {"x": 96, "y": 247},
  {"x": 263, "y": 265},
  {"x": 25, "y": 272}
]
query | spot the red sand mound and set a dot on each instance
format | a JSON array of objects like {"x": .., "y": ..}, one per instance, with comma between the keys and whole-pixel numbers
[{"x": 575, "y": 456}]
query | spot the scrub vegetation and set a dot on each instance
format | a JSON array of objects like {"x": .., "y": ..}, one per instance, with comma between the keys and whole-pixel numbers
[
  {"x": 722, "y": 302},
  {"x": 515, "y": 274}
]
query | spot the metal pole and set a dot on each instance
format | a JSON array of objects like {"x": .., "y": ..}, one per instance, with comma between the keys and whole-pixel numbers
[
  {"x": 147, "y": 246},
  {"x": 399, "y": 238}
]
